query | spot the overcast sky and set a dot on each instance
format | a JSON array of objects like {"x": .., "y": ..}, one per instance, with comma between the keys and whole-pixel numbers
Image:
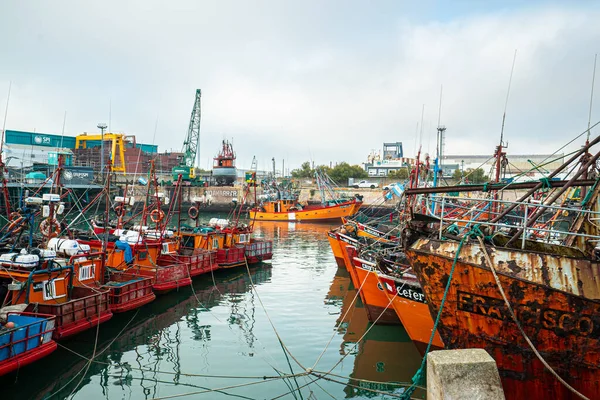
[{"x": 299, "y": 80}]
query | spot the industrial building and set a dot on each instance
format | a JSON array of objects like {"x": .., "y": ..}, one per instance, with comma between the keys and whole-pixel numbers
[
  {"x": 36, "y": 151},
  {"x": 390, "y": 159}
]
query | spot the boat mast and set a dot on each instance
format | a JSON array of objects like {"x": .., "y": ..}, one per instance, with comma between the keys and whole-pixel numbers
[{"x": 3, "y": 170}]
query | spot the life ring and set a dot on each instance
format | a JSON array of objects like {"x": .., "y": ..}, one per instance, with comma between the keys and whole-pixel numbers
[
  {"x": 157, "y": 215},
  {"x": 50, "y": 227},
  {"x": 193, "y": 212},
  {"x": 16, "y": 224},
  {"x": 119, "y": 210}
]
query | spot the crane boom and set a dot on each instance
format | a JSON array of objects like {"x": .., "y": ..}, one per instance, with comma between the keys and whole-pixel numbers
[{"x": 191, "y": 144}]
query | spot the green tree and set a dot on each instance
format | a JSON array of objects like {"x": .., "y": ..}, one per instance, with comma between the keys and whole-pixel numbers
[
  {"x": 399, "y": 174},
  {"x": 475, "y": 176},
  {"x": 341, "y": 172},
  {"x": 457, "y": 174},
  {"x": 305, "y": 171}
]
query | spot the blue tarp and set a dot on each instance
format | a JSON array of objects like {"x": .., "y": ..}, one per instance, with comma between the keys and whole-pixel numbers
[{"x": 126, "y": 248}]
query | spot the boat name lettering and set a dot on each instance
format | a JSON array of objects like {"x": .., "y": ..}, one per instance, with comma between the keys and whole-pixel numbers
[
  {"x": 347, "y": 240},
  {"x": 367, "y": 267},
  {"x": 411, "y": 294},
  {"x": 371, "y": 231},
  {"x": 558, "y": 321}
]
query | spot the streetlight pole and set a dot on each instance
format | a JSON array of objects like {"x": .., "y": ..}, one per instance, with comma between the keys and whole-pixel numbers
[{"x": 102, "y": 127}]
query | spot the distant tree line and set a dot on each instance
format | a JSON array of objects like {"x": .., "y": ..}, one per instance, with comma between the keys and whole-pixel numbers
[
  {"x": 342, "y": 171},
  {"x": 339, "y": 174}
]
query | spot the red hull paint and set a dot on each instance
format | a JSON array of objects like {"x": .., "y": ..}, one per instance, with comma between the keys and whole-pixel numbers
[
  {"x": 62, "y": 332},
  {"x": 259, "y": 259},
  {"x": 386, "y": 316},
  {"x": 132, "y": 304},
  {"x": 28, "y": 357},
  {"x": 166, "y": 287},
  {"x": 340, "y": 262}
]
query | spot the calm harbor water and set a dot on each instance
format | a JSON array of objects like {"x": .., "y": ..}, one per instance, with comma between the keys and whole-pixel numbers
[{"x": 217, "y": 335}]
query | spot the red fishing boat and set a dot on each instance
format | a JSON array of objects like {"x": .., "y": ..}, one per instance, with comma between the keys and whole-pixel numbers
[{"x": 29, "y": 340}]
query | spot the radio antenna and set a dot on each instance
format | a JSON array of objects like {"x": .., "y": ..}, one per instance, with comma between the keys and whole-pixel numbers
[
  {"x": 591, "y": 97},
  {"x": 5, "y": 115},
  {"x": 506, "y": 101}
]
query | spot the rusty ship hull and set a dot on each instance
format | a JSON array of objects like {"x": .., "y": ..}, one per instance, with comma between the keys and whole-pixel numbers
[{"x": 554, "y": 298}]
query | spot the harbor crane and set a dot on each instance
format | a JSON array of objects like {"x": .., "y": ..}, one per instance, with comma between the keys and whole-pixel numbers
[{"x": 191, "y": 147}]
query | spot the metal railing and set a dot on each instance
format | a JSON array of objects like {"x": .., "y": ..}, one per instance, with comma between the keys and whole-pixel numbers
[{"x": 477, "y": 210}]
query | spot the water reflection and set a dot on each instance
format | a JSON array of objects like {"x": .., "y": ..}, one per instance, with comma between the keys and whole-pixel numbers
[
  {"x": 154, "y": 335},
  {"x": 215, "y": 330},
  {"x": 382, "y": 353}
]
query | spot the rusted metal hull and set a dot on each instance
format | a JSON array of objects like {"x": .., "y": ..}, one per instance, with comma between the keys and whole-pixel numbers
[{"x": 562, "y": 324}]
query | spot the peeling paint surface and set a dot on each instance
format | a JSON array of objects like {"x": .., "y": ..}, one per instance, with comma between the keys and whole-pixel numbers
[{"x": 547, "y": 294}]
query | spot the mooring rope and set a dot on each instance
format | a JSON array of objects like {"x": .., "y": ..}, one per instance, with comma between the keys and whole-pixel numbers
[
  {"x": 516, "y": 321},
  {"x": 417, "y": 379}
]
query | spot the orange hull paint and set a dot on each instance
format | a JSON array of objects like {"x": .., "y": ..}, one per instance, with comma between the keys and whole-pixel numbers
[
  {"x": 327, "y": 213},
  {"x": 336, "y": 249},
  {"x": 378, "y": 305},
  {"x": 414, "y": 314}
]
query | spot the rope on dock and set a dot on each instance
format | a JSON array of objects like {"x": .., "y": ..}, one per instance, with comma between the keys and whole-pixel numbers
[{"x": 516, "y": 321}]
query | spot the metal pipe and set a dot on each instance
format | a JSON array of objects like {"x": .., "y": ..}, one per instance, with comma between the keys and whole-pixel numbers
[
  {"x": 552, "y": 199},
  {"x": 552, "y": 175},
  {"x": 494, "y": 186}
]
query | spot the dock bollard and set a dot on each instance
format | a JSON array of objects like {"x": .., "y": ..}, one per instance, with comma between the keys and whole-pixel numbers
[{"x": 462, "y": 374}]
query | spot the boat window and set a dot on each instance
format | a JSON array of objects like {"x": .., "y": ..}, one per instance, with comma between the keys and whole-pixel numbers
[
  {"x": 142, "y": 255},
  {"x": 188, "y": 241},
  {"x": 49, "y": 289}
]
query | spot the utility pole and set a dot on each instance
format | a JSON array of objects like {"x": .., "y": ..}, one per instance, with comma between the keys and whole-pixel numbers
[{"x": 102, "y": 126}]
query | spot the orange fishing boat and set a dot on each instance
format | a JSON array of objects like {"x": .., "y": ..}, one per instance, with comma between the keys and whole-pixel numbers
[
  {"x": 379, "y": 307},
  {"x": 291, "y": 210},
  {"x": 336, "y": 248},
  {"x": 50, "y": 291},
  {"x": 408, "y": 301},
  {"x": 376, "y": 303}
]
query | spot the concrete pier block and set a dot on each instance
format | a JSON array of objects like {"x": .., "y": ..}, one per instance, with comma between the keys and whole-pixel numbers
[{"x": 462, "y": 374}]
